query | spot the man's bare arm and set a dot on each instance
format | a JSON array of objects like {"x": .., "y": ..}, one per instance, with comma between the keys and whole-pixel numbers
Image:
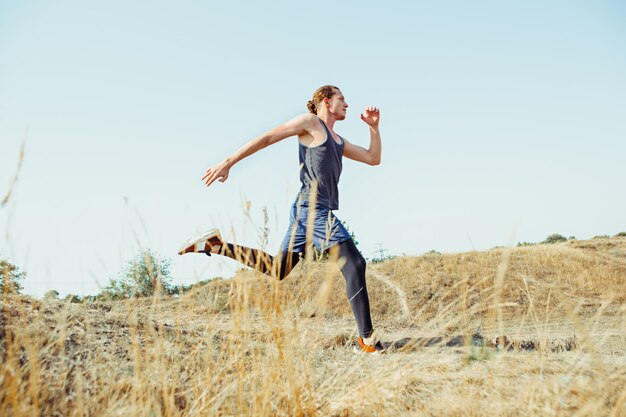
[
  {"x": 372, "y": 155},
  {"x": 295, "y": 126}
]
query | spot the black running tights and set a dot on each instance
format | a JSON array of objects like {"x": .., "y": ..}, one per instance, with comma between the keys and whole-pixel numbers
[{"x": 279, "y": 266}]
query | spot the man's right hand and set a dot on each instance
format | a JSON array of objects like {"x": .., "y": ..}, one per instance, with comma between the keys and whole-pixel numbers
[{"x": 217, "y": 171}]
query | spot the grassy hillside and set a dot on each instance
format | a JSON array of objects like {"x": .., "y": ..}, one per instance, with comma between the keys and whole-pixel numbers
[{"x": 536, "y": 330}]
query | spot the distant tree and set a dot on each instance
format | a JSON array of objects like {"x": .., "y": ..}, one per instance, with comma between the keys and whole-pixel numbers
[
  {"x": 90, "y": 298},
  {"x": 382, "y": 259},
  {"x": 10, "y": 277},
  {"x": 51, "y": 295},
  {"x": 555, "y": 238},
  {"x": 143, "y": 276},
  {"x": 72, "y": 298},
  {"x": 620, "y": 234}
]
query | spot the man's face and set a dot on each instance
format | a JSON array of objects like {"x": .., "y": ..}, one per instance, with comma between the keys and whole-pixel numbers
[{"x": 337, "y": 105}]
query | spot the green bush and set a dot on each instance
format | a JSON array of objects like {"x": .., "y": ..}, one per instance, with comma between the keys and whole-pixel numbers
[
  {"x": 383, "y": 258},
  {"x": 620, "y": 234},
  {"x": 10, "y": 277},
  {"x": 72, "y": 298},
  {"x": 51, "y": 295},
  {"x": 145, "y": 275},
  {"x": 555, "y": 238}
]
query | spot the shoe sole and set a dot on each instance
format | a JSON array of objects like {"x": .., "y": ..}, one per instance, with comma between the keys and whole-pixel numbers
[
  {"x": 200, "y": 243},
  {"x": 360, "y": 351}
]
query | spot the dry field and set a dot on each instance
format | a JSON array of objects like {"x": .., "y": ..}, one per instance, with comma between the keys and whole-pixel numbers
[{"x": 533, "y": 331}]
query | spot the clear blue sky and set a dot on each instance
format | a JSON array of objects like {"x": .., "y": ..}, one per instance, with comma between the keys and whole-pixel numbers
[{"x": 501, "y": 122}]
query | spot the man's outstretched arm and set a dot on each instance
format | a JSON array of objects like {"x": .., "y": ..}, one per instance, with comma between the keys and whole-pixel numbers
[
  {"x": 372, "y": 155},
  {"x": 295, "y": 126}
]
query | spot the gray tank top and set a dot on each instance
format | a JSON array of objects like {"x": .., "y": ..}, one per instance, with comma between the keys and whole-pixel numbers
[{"x": 321, "y": 165}]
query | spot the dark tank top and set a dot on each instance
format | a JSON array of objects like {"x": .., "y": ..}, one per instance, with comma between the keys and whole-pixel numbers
[{"x": 321, "y": 165}]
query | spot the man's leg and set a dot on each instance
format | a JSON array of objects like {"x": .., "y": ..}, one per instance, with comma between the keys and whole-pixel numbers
[
  {"x": 278, "y": 266},
  {"x": 353, "y": 270}
]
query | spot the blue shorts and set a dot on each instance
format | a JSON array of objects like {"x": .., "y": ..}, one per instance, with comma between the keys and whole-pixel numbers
[{"x": 327, "y": 229}]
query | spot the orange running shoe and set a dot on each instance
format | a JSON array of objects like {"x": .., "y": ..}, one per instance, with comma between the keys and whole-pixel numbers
[{"x": 370, "y": 345}]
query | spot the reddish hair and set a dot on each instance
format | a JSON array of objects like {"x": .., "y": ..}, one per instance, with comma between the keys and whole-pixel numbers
[{"x": 320, "y": 94}]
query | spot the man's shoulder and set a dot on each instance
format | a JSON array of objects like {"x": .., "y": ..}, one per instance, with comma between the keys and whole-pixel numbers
[
  {"x": 308, "y": 117},
  {"x": 306, "y": 120}
]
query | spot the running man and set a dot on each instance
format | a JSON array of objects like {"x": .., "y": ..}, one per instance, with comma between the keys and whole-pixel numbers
[{"x": 321, "y": 151}]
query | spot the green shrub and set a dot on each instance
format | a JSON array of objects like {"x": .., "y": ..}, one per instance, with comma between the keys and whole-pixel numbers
[
  {"x": 555, "y": 238},
  {"x": 620, "y": 234},
  {"x": 10, "y": 277},
  {"x": 51, "y": 295},
  {"x": 382, "y": 259},
  {"x": 601, "y": 237},
  {"x": 520, "y": 244},
  {"x": 145, "y": 275},
  {"x": 72, "y": 298}
]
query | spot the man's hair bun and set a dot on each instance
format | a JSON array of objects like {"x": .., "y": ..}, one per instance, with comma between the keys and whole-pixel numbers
[{"x": 326, "y": 91}]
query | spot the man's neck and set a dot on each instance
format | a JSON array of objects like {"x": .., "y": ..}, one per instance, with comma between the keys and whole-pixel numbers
[{"x": 328, "y": 118}]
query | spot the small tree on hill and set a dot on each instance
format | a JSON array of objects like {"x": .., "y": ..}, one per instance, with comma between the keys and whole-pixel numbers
[
  {"x": 72, "y": 298},
  {"x": 555, "y": 238},
  {"x": 144, "y": 276},
  {"x": 10, "y": 277},
  {"x": 51, "y": 295}
]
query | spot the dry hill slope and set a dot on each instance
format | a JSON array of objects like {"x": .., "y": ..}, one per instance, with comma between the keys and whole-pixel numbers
[{"x": 537, "y": 330}]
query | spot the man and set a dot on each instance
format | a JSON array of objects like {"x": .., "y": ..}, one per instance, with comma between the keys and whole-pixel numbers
[{"x": 321, "y": 151}]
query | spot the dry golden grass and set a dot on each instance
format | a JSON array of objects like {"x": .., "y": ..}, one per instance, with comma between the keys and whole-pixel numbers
[{"x": 536, "y": 330}]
